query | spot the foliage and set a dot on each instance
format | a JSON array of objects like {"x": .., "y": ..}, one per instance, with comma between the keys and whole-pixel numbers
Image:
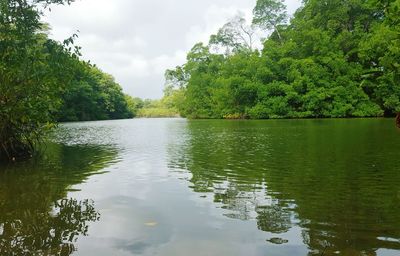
[
  {"x": 334, "y": 59},
  {"x": 42, "y": 81},
  {"x": 160, "y": 108},
  {"x": 33, "y": 69},
  {"x": 134, "y": 104},
  {"x": 235, "y": 35},
  {"x": 269, "y": 14},
  {"x": 94, "y": 95}
]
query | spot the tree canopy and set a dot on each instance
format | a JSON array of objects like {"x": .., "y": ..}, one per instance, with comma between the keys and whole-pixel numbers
[
  {"x": 334, "y": 59},
  {"x": 93, "y": 95}
]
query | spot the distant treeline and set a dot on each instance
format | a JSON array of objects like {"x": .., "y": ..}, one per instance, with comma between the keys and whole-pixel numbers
[
  {"x": 93, "y": 95},
  {"x": 163, "y": 108},
  {"x": 336, "y": 58}
]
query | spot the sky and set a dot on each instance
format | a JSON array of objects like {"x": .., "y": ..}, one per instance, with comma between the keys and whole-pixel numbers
[{"x": 137, "y": 40}]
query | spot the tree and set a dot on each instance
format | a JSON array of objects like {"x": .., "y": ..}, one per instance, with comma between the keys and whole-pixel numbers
[
  {"x": 235, "y": 35},
  {"x": 269, "y": 14},
  {"x": 134, "y": 104},
  {"x": 335, "y": 59},
  {"x": 176, "y": 78},
  {"x": 33, "y": 68}
]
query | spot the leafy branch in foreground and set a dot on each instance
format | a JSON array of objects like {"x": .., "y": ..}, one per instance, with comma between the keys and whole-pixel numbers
[{"x": 33, "y": 70}]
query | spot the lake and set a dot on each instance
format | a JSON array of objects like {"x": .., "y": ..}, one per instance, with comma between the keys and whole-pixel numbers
[{"x": 207, "y": 187}]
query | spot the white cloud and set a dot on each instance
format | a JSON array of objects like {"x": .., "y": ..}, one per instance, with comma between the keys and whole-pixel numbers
[
  {"x": 164, "y": 62},
  {"x": 136, "y": 40},
  {"x": 214, "y": 18}
]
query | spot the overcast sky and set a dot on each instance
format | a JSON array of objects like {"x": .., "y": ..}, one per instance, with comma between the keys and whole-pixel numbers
[{"x": 137, "y": 40}]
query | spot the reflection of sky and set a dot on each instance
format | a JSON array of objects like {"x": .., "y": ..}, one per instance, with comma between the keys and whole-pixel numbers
[
  {"x": 184, "y": 226},
  {"x": 140, "y": 189},
  {"x": 177, "y": 189}
]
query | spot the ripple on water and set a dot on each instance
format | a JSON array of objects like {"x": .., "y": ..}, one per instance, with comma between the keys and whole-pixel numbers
[{"x": 324, "y": 186}]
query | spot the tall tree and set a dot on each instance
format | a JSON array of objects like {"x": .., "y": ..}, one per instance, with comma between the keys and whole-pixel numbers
[
  {"x": 235, "y": 35},
  {"x": 269, "y": 14}
]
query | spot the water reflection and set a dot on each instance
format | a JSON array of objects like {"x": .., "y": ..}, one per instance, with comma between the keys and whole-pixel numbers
[
  {"x": 36, "y": 217},
  {"x": 47, "y": 233},
  {"x": 337, "y": 180}
]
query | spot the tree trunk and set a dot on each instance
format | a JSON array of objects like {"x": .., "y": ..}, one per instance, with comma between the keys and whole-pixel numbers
[
  {"x": 279, "y": 34},
  {"x": 398, "y": 120}
]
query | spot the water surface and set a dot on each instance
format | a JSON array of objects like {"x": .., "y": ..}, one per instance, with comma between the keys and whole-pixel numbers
[{"x": 179, "y": 187}]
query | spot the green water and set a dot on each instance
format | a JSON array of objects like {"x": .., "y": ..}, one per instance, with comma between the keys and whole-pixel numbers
[{"x": 178, "y": 187}]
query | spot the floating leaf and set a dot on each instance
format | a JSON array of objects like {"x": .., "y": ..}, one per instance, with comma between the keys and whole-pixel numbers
[{"x": 151, "y": 224}]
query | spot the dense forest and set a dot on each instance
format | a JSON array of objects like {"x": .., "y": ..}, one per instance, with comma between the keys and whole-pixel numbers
[
  {"x": 43, "y": 81},
  {"x": 333, "y": 59}
]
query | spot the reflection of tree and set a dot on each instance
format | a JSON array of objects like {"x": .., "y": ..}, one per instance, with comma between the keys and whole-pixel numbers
[
  {"x": 221, "y": 162},
  {"x": 274, "y": 219},
  {"x": 336, "y": 179},
  {"x": 48, "y": 233},
  {"x": 35, "y": 216},
  {"x": 239, "y": 203}
]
